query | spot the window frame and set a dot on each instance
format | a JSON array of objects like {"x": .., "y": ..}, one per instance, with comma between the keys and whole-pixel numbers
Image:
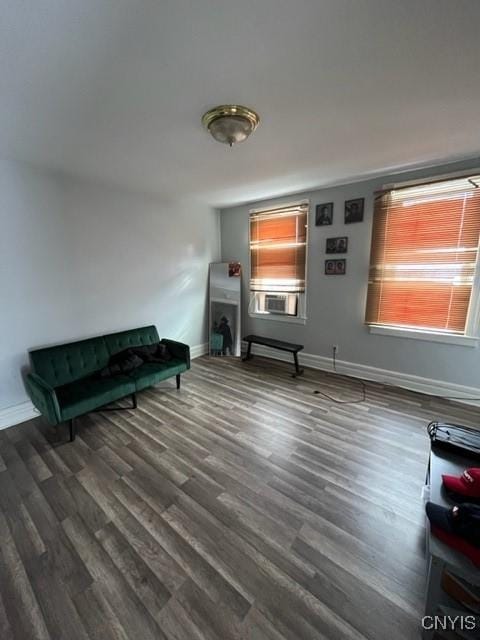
[
  {"x": 427, "y": 336},
  {"x": 301, "y": 316},
  {"x": 471, "y": 336}
]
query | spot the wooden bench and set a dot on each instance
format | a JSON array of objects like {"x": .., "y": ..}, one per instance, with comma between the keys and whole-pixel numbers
[{"x": 275, "y": 344}]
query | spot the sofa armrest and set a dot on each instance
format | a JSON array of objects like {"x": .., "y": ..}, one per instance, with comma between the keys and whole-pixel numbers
[
  {"x": 178, "y": 350},
  {"x": 43, "y": 397}
]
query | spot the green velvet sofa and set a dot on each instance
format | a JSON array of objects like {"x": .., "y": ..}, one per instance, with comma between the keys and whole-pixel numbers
[{"x": 62, "y": 385}]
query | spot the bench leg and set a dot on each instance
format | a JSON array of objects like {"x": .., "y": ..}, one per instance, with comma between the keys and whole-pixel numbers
[
  {"x": 71, "y": 424},
  {"x": 134, "y": 400},
  {"x": 178, "y": 381},
  {"x": 249, "y": 352},
  {"x": 298, "y": 371}
]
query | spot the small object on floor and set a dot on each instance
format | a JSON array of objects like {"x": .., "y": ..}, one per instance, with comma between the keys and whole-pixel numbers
[
  {"x": 363, "y": 388},
  {"x": 275, "y": 344}
]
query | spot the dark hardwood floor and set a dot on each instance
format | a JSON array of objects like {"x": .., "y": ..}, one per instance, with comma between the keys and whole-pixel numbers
[{"x": 240, "y": 507}]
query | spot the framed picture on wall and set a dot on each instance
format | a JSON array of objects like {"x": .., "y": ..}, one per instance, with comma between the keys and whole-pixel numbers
[
  {"x": 354, "y": 210},
  {"x": 323, "y": 214},
  {"x": 337, "y": 245},
  {"x": 336, "y": 267},
  {"x": 234, "y": 269}
]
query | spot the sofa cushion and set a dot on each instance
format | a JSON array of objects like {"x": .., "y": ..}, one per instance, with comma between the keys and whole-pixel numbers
[
  {"x": 84, "y": 395},
  {"x": 65, "y": 363},
  {"x": 133, "y": 338},
  {"x": 152, "y": 372}
]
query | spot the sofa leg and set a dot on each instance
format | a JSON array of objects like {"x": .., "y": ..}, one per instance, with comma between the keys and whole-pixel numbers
[
  {"x": 178, "y": 381},
  {"x": 134, "y": 400},
  {"x": 72, "y": 430}
]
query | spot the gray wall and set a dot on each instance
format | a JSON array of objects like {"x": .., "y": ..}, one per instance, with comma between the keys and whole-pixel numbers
[
  {"x": 79, "y": 259},
  {"x": 336, "y": 304}
]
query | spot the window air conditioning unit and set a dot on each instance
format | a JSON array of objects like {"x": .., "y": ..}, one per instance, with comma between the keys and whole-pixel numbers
[{"x": 281, "y": 303}]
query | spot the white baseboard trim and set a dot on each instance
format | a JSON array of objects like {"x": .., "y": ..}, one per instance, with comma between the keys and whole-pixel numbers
[
  {"x": 16, "y": 414},
  {"x": 198, "y": 350},
  {"x": 428, "y": 386},
  {"x": 26, "y": 411}
]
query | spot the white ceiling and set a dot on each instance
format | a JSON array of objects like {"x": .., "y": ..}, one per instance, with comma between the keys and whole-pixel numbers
[{"x": 115, "y": 89}]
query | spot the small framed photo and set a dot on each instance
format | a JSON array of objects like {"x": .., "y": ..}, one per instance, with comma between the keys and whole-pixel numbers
[
  {"x": 335, "y": 267},
  {"x": 234, "y": 269},
  {"x": 354, "y": 210},
  {"x": 323, "y": 214},
  {"x": 337, "y": 245}
]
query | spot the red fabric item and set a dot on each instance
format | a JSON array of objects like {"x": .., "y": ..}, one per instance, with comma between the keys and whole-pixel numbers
[
  {"x": 468, "y": 484},
  {"x": 473, "y": 553}
]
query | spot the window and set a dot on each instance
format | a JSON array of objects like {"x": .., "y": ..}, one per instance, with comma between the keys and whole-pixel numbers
[
  {"x": 278, "y": 245},
  {"x": 424, "y": 256}
]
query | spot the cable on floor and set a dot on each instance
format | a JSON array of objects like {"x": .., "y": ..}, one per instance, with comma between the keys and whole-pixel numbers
[
  {"x": 363, "y": 387},
  {"x": 335, "y": 400}
]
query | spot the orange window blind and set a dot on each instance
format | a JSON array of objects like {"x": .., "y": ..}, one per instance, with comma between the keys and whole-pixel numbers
[
  {"x": 424, "y": 255},
  {"x": 278, "y": 242}
]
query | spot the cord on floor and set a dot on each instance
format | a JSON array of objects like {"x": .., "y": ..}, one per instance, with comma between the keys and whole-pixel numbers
[
  {"x": 359, "y": 380},
  {"x": 363, "y": 387}
]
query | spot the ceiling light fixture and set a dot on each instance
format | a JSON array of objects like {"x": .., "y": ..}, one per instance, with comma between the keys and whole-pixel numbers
[{"x": 230, "y": 123}]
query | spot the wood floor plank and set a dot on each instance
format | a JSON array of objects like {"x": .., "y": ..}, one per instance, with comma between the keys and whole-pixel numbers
[
  {"x": 248, "y": 529},
  {"x": 61, "y": 555},
  {"x": 58, "y": 496},
  {"x": 22, "y": 609},
  {"x": 149, "y": 589},
  {"x": 242, "y": 563},
  {"x": 240, "y": 507},
  {"x": 360, "y": 606},
  {"x": 17, "y": 469},
  {"x": 26, "y": 535},
  {"x": 194, "y": 565},
  {"x": 370, "y": 525},
  {"x": 257, "y": 627},
  {"x": 61, "y": 617},
  {"x": 98, "y": 616},
  {"x": 34, "y": 462},
  {"x": 91, "y": 512},
  {"x": 6, "y": 632},
  {"x": 365, "y": 564},
  {"x": 129, "y": 609},
  {"x": 168, "y": 571},
  {"x": 211, "y": 618},
  {"x": 49, "y": 454},
  {"x": 177, "y": 624}
]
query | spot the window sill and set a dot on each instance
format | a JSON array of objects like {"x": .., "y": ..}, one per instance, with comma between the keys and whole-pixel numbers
[
  {"x": 428, "y": 336},
  {"x": 278, "y": 318}
]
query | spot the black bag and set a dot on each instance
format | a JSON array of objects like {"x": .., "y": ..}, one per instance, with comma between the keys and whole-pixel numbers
[
  {"x": 121, "y": 362},
  {"x": 157, "y": 352},
  {"x": 461, "y": 440}
]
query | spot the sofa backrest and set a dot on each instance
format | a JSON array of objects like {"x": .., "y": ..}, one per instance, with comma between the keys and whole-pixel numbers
[
  {"x": 132, "y": 338},
  {"x": 65, "y": 363}
]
